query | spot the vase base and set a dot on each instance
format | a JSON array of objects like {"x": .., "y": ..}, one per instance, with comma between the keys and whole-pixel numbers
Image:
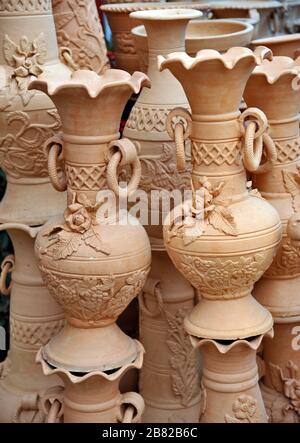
[
  {"x": 228, "y": 319},
  {"x": 87, "y": 350}
]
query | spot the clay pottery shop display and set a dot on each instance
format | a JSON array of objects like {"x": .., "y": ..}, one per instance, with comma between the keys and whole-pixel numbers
[
  {"x": 80, "y": 35},
  {"x": 93, "y": 267},
  {"x": 222, "y": 244},
  {"x": 200, "y": 34},
  {"x": 286, "y": 45},
  {"x": 268, "y": 13},
  {"x": 169, "y": 386},
  {"x": 27, "y": 120},
  {"x": 274, "y": 88},
  {"x": 121, "y": 24}
]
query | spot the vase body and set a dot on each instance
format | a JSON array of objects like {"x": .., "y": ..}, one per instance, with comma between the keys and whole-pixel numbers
[
  {"x": 281, "y": 45},
  {"x": 78, "y": 29},
  {"x": 91, "y": 266},
  {"x": 278, "y": 288},
  {"x": 30, "y": 328}
]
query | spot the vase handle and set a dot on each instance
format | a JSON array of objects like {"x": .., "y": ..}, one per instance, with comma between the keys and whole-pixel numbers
[
  {"x": 53, "y": 150},
  {"x": 179, "y": 132},
  {"x": 152, "y": 286},
  {"x": 66, "y": 57},
  {"x": 7, "y": 266},
  {"x": 256, "y": 139},
  {"x": 134, "y": 410},
  {"x": 121, "y": 153},
  {"x": 51, "y": 404}
]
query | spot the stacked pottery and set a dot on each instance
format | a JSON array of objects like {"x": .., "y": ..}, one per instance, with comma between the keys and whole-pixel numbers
[
  {"x": 80, "y": 35},
  {"x": 274, "y": 88},
  {"x": 93, "y": 265},
  {"x": 27, "y": 120},
  {"x": 226, "y": 237},
  {"x": 169, "y": 380}
]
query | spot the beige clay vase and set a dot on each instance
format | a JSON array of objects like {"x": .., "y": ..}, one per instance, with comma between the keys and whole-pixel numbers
[
  {"x": 92, "y": 267},
  {"x": 169, "y": 384},
  {"x": 121, "y": 24},
  {"x": 80, "y": 35},
  {"x": 200, "y": 34},
  {"x": 286, "y": 45},
  {"x": 274, "y": 88}
]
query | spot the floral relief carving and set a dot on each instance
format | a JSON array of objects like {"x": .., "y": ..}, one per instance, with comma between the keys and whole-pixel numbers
[
  {"x": 244, "y": 410},
  {"x": 90, "y": 298},
  {"x": 26, "y": 60},
  {"x": 124, "y": 41},
  {"x": 286, "y": 261},
  {"x": 291, "y": 182},
  {"x": 21, "y": 151},
  {"x": 218, "y": 277},
  {"x": 185, "y": 378},
  {"x": 285, "y": 407},
  {"x": 78, "y": 228}
]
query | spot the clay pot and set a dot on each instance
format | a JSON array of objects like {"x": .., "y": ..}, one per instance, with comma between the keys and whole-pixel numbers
[
  {"x": 27, "y": 118},
  {"x": 121, "y": 24},
  {"x": 203, "y": 34},
  {"x": 80, "y": 35},
  {"x": 229, "y": 386},
  {"x": 221, "y": 243},
  {"x": 277, "y": 83},
  {"x": 35, "y": 318},
  {"x": 286, "y": 45}
]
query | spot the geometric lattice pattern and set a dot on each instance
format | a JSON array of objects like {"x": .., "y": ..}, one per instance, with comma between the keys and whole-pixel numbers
[
  {"x": 86, "y": 178},
  {"x": 34, "y": 334},
  {"x": 216, "y": 153},
  {"x": 25, "y": 5},
  {"x": 288, "y": 151}
]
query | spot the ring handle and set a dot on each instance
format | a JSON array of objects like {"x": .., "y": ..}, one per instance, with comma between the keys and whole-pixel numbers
[
  {"x": 7, "y": 266},
  {"x": 179, "y": 132},
  {"x": 152, "y": 287},
  {"x": 53, "y": 149},
  {"x": 67, "y": 58},
  {"x": 51, "y": 404},
  {"x": 121, "y": 153},
  {"x": 134, "y": 410}
]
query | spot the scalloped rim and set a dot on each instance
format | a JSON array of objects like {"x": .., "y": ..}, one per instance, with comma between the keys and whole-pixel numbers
[
  {"x": 91, "y": 82},
  {"x": 292, "y": 68},
  {"x": 49, "y": 370},
  {"x": 223, "y": 349},
  {"x": 229, "y": 59}
]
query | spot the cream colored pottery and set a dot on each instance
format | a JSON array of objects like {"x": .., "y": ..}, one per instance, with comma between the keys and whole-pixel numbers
[
  {"x": 286, "y": 45},
  {"x": 35, "y": 317},
  {"x": 200, "y": 34},
  {"x": 222, "y": 244},
  {"x": 27, "y": 118},
  {"x": 121, "y": 24},
  {"x": 80, "y": 35},
  {"x": 169, "y": 378},
  {"x": 274, "y": 88},
  {"x": 230, "y": 391}
]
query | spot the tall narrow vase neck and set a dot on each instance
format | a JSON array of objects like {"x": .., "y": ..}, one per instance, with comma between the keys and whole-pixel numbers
[{"x": 165, "y": 37}]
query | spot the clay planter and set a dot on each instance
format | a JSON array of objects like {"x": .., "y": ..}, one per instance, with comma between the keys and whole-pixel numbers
[
  {"x": 286, "y": 45},
  {"x": 167, "y": 298},
  {"x": 121, "y": 25},
  {"x": 203, "y": 34},
  {"x": 34, "y": 318},
  {"x": 27, "y": 118},
  {"x": 80, "y": 35},
  {"x": 277, "y": 83},
  {"x": 92, "y": 267},
  {"x": 222, "y": 244}
]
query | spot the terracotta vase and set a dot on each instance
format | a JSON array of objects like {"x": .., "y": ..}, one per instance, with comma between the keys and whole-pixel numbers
[
  {"x": 34, "y": 318},
  {"x": 174, "y": 398},
  {"x": 276, "y": 82},
  {"x": 218, "y": 243},
  {"x": 286, "y": 45},
  {"x": 200, "y": 34},
  {"x": 80, "y": 35},
  {"x": 268, "y": 13},
  {"x": 230, "y": 391},
  {"x": 27, "y": 118},
  {"x": 121, "y": 24},
  {"x": 92, "y": 267}
]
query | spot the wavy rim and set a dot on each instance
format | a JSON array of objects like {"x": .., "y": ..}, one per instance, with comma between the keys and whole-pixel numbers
[
  {"x": 49, "y": 370},
  {"x": 81, "y": 79},
  {"x": 229, "y": 62},
  {"x": 293, "y": 69}
]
